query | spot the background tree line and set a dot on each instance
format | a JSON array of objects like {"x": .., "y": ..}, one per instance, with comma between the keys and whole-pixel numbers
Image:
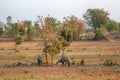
[{"x": 96, "y": 22}]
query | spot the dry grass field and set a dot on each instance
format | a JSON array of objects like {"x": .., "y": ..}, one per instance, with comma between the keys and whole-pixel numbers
[{"x": 101, "y": 62}]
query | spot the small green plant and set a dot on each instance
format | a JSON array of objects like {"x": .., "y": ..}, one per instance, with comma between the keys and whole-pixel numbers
[
  {"x": 21, "y": 57},
  {"x": 15, "y": 78},
  {"x": 100, "y": 74},
  {"x": 84, "y": 49},
  {"x": 18, "y": 63},
  {"x": 7, "y": 65},
  {"x": 32, "y": 75},
  {"x": 82, "y": 70},
  {"x": 2, "y": 49},
  {"x": 25, "y": 71},
  {"x": 108, "y": 62},
  {"x": 16, "y": 50},
  {"x": 117, "y": 70},
  {"x": 26, "y": 48},
  {"x": 14, "y": 64},
  {"x": 69, "y": 50},
  {"x": 82, "y": 62},
  {"x": 73, "y": 62},
  {"x": 99, "y": 55}
]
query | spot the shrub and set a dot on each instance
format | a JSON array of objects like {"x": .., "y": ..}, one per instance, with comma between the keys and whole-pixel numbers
[
  {"x": 82, "y": 70},
  {"x": 19, "y": 40},
  {"x": 73, "y": 62},
  {"x": 21, "y": 57},
  {"x": 69, "y": 50},
  {"x": 100, "y": 74},
  {"x": 14, "y": 64},
  {"x": 18, "y": 64},
  {"x": 84, "y": 49},
  {"x": 25, "y": 71},
  {"x": 26, "y": 48},
  {"x": 101, "y": 33},
  {"x": 117, "y": 70},
  {"x": 2, "y": 49},
  {"x": 82, "y": 62},
  {"x": 108, "y": 62},
  {"x": 32, "y": 75},
  {"x": 7, "y": 65},
  {"x": 15, "y": 78},
  {"x": 16, "y": 50}
]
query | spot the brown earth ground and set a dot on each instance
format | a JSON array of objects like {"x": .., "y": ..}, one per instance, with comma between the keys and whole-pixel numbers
[{"x": 94, "y": 54}]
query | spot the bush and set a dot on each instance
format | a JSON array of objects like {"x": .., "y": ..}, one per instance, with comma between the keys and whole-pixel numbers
[
  {"x": 19, "y": 40},
  {"x": 117, "y": 70},
  {"x": 82, "y": 70},
  {"x": 2, "y": 49},
  {"x": 7, "y": 65},
  {"x": 101, "y": 33},
  {"x": 82, "y": 62},
  {"x": 73, "y": 62},
  {"x": 21, "y": 57},
  {"x": 16, "y": 50},
  {"x": 100, "y": 74},
  {"x": 25, "y": 71},
  {"x": 14, "y": 64},
  {"x": 108, "y": 62}
]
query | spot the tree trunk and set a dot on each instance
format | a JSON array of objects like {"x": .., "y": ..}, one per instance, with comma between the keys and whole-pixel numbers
[
  {"x": 46, "y": 55},
  {"x": 52, "y": 60},
  {"x": 63, "y": 52},
  {"x": 46, "y": 58}
]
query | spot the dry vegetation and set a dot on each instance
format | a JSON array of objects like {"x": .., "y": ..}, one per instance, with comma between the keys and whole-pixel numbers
[{"x": 94, "y": 53}]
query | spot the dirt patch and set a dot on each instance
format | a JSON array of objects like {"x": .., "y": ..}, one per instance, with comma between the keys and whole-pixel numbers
[{"x": 93, "y": 53}]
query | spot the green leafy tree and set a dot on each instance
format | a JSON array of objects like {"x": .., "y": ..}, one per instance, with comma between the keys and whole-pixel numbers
[
  {"x": 36, "y": 29},
  {"x": 96, "y": 18},
  {"x": 28, "y": 25},
  {"x": 71, "y": 29},
  {"x": 65, "y": 37},
  {"x": 14, "y": 30},
  {"x": 76, "y": 24},
  {"x": 112, "y": 26},
  {"x": 53, "y": 48},
  {"x": 1, "y": 29},
  {"x": 9, "y": 26},
  {"x": 47, "y": 30},
  {"x": 119, "y": 26}
]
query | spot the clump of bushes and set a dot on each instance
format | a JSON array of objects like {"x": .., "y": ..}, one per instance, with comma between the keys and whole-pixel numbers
[
  {"x": 7, "y": 65},
  {"x": 108, "y": 62},
  {"x": 117, "y": 70},
  {"x": 19, "y": 40},
  {"x": 101, "y": 33}
]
